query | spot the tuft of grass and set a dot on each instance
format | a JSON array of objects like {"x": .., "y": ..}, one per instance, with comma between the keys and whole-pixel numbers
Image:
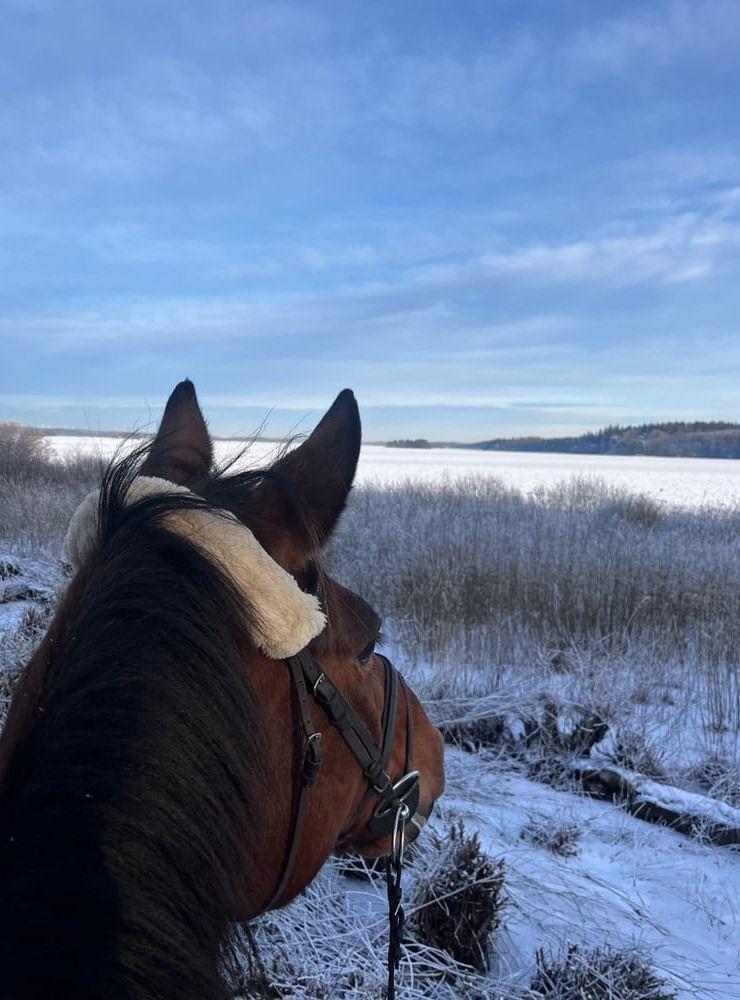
[
  {"x": 559, "y": 838},
  {"x": 457, "y": 907},
  {"x": 17, "y": 646},
  {"x": 600, "y": 973},
  {"x": 8, "y": 568},
  {"x": 34, "y": 622},
  {"x": 718, "y": 775},
  {"x": 635, "y": 508},
  {"x": 342, "y": 947},
  {"x": 636, "y": 751}
]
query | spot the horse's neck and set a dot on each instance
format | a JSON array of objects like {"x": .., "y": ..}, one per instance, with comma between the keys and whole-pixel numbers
[
  {"x": 93, "y": 902},
  {"x": 124, "y": 811},
  {"x": 82, "y": 917}
]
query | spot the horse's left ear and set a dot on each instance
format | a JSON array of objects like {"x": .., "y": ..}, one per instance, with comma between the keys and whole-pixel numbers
[
  {"x": 298, "y": 504},
  {"x": 182, "y": 449}
]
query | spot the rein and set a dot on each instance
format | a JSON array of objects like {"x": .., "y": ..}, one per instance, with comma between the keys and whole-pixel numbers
[{"x": 398, "y": 800}]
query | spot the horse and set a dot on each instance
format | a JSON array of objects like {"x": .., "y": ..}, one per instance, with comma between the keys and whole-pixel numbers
[{"x": 159, "y": 745}]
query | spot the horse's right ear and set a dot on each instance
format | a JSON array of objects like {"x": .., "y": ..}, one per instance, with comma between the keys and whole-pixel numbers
[
  {"x": 182, "y": 449},
  {"x": 298, "y": 504}
]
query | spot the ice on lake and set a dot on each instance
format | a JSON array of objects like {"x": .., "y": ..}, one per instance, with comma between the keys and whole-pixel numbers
[{"x": 676, "y": 482}]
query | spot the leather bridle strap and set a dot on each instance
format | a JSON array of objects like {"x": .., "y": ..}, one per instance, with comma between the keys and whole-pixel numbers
[
  {"x": 390, "y": 703},
  {"x": 403, "y": 796},
  {"x": 311, "y": 765},
  {"x": 347, "y": 722}
]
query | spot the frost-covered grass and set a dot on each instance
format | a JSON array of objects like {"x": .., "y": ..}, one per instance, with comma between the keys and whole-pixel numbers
[
  {"x": 530, "y": 620},
  {"x": 37, "y": 500},
  {"x": 600, "y": 973},
  {"x": 579, "y": 592},
  {"x": 575, "y": 568}
]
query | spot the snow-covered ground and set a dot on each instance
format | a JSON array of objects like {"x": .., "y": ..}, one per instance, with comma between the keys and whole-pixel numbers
[
  {"x": 627, "y": 884},
  {"x": 630, "y": 882},
  {"x": 679, "y": 482}
]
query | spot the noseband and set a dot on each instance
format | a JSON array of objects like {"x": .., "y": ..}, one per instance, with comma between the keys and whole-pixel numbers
[{"x": 398, "y": 800}]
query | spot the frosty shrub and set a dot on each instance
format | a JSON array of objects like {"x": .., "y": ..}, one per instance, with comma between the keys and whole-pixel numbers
[
  {"x": 8, "y": 568},
  {"x": 457, "y": 905},
  {"x": 636, "y": 751},
  {"x": 23, "y": 450},
  {"x": 598, "y": 974},
  {"x": 17, "y": 647},
  {"x": 38, "y": 495},
  {"x": 558, "y": 837},
  {"x": 717, "y": 776}
]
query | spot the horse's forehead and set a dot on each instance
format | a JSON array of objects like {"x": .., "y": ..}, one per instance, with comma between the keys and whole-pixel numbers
[{"x": 285, "y": 618}]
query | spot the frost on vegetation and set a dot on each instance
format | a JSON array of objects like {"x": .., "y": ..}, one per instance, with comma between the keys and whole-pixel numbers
[
  {"x": 717, "y": 775},
  {"x": 456, "y": 905},
  {"x": 530, "y": 624},
  {"x": 8, "y": 568},
  {"x": 331, "y": 942},
  {"x": 637, "y": 751},
  {"x": 567, "y": 593},
  {"x": 600, "y": 973},
  {"x": 559, "y": 837},
  {"x": 454, "y": 896},
  {"x": 39, "y": 492},
  {"x": 544, "y": 739}
]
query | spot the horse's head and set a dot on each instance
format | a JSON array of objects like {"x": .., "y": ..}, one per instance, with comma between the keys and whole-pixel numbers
[
  {"x": 292, "y": 510},
  {"x": 168, "y": 727}
]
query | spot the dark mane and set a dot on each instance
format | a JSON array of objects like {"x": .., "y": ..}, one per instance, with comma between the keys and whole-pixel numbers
[{"x": 125, "y": 811}]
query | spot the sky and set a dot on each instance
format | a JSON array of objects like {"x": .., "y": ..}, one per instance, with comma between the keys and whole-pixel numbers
[{"x": 488, "y": 218}]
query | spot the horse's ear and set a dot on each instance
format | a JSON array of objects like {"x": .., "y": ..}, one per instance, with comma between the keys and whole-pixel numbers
[
  {"x": 182, "y": 449},
  {"x": 298, "y": 505}
]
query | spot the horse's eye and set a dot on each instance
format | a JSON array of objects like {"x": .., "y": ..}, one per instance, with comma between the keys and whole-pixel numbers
[{"x": 364, "y": 657}]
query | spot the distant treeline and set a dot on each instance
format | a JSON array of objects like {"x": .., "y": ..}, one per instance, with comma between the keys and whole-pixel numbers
[
  {"x": 698, "y": 439},
  {"x": 409, "y": 443}
]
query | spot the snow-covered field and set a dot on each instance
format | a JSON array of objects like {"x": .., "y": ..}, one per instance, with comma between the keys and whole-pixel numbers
[
  {"x": 680, "y": 482},
  {"x": 627, "y": 884},
  {"x": 496, "y": 605},
  {"x": 630, "y": 882}
]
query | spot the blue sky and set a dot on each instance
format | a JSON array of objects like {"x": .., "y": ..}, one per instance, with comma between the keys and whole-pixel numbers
[{"x": 488, "y": 218}]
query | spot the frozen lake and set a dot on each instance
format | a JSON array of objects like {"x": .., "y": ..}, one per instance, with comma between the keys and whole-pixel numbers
[{"x": 679, "y": 482}]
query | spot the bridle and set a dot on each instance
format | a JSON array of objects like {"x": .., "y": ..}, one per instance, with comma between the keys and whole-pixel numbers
[{"x": 398, "y": 800}]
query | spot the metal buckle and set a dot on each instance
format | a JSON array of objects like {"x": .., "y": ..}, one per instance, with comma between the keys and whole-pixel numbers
[
  {"x": 319, "y": 680},
  {"x": 382, "y": 789}
]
